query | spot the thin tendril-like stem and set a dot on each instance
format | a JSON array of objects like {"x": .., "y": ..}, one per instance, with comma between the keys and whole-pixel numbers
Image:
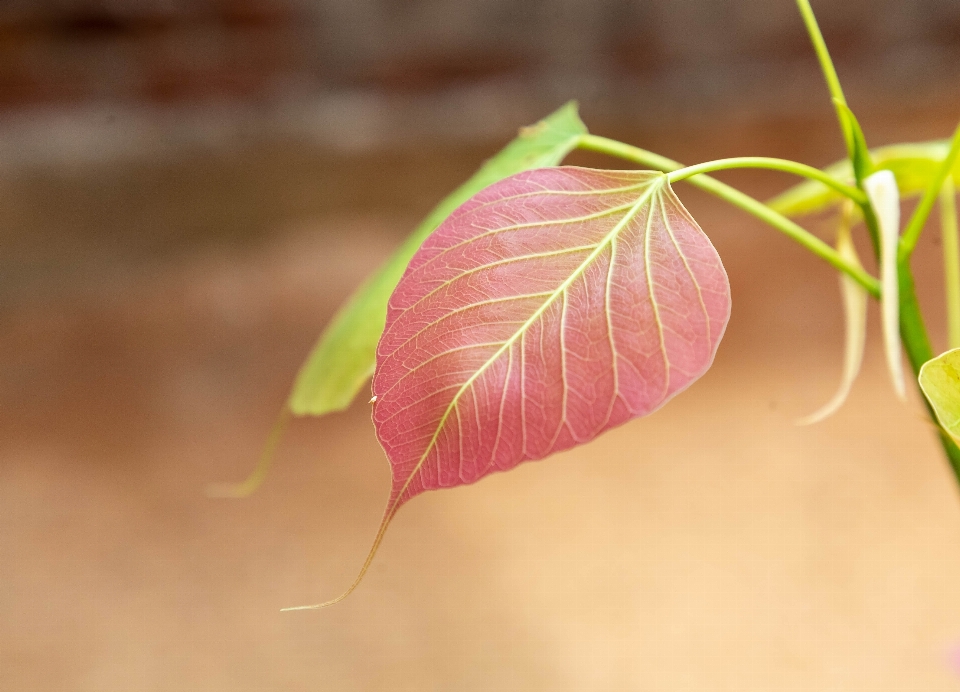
[
  {"x": 784, "y": 165},
  {"x": 252, "y": 483},
  {"x": 381, "y": 532},
  {"x": 820, "y": 47},
  {"x": 908, "y": 241},
  {"x": 828, "y": 69},
  {"x": 739, "y": 199}
]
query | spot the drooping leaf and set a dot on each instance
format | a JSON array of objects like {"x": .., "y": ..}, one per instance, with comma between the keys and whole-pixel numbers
[
  {"x": 855, "y": 319},
  {"x": 343, "y": 359},
  {"x": 940, "y": 381},
  {"x": 914, "y": 166},
  {"x": 881, "y": 188}
]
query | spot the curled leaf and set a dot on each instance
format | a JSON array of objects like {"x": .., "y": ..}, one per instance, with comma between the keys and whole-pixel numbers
[
  {"x": 555, "y": 305},
  {"x": 855, "y": 320},
  {"x": 881, "y": 188},
  {"x": 940, "y": 382}
]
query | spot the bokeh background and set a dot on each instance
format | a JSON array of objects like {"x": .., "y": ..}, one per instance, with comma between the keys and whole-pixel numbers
[{"x": 187, "y": 192}]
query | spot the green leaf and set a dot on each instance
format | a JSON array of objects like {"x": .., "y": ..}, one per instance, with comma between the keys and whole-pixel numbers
[
  {"x": 343, "y": 359},
  {"x": 858, "y": 153},
  {"x": 913, "y": 165},
  {"x": 940, "y": 382}
]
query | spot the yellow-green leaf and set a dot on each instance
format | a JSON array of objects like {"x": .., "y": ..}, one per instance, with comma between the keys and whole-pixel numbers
[
  {"x": 913, "y": 165},
  {"x": 940, "y": 382}
]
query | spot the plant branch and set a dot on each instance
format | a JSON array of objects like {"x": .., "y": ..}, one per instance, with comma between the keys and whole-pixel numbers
[
  {"x": 784, "y": 165},
  {"x": 908, "y": 241},
  {"x": 820, "y": 46},
  {"x": 829, "y": 71},
  {"x": 739, "y": 199},
  {"x": 917, "y": 345}
]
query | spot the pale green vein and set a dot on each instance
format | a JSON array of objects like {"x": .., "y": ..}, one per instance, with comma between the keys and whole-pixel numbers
[
  {"x": 653, "y": 303},
  {"x": 498, "y": 263},
  {"x": 563, "y": 368},
  {"x": 613, "y": 345},
  {"x": 447, "y": 352},
  {"x": 654, "y": 187},
  {"x": 487, "y": 232},
  {"x": 686, "y": 265}
]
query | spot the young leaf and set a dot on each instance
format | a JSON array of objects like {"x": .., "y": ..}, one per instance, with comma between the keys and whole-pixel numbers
[
  {"x": 855, "y": 318},
  {"x": 343, "y": 359},
  {"x": 858, "y": 153},
  {"x": 940, "y": 381},
  {"x": 554, "y": 305},
  {"x": 913, "y": 164},
  {"x": 881, "y": 188}
]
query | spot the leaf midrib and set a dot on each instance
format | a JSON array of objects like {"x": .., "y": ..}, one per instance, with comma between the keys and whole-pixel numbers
[{"x": 654, "y": 186}]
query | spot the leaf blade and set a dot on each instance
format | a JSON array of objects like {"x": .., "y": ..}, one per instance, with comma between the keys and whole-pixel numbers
[
  {"x": 939, "y": 380},
  {"x": 550, "y": 283},
  {"x": 530, "y": 378},
  {"x": 344, "y": 356}
]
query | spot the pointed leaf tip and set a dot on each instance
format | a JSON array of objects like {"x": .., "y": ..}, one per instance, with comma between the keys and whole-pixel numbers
[
  {"x": 555, "y": 305},
  {"x": 881, "y": 188},
  {"x": 552, "y": 306}
]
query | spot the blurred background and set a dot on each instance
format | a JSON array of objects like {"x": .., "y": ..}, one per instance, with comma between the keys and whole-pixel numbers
[{"x": 187, "y": 192}]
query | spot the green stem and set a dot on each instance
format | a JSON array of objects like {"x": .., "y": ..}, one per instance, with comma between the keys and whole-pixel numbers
[
  {"x": 829, "y": 71},
  {"x": 739, "y": 199},
  {"x": 784, "y": 165},
  {"x": 908, "y": 241},
  {"x": 951, "y": 260},
  {"x": 917, "y": 345},
  {"x": 820, "y": 46}
]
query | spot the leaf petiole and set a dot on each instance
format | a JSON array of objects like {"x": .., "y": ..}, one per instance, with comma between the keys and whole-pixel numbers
[
  {"x": 784, "y": 165},
  {"x": 747, "y": 203}
]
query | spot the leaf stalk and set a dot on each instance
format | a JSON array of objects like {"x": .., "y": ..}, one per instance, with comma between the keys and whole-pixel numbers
[
  {"x": 738, "y": 199},
  {"x": 775, "y": 164}
]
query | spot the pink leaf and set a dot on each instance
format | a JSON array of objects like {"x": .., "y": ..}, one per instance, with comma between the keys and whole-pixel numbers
[{"x": 552, "y": 306}]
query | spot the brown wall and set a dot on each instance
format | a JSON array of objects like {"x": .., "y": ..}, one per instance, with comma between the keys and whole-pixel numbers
[{"x": 68, "y": 51}]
